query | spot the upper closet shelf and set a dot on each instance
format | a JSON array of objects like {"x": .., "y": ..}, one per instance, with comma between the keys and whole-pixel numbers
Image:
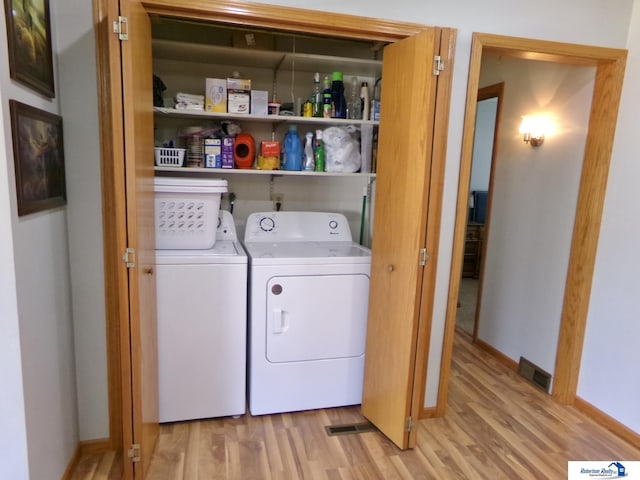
[
  {"x": 172, "y": 112},
  {"x": 273, "y": 60}
]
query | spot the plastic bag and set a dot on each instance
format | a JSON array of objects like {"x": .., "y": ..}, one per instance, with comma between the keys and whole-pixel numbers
[{"x": 342, "y": 151}]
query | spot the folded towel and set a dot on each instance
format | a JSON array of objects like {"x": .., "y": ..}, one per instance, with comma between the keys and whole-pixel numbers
[
  {"x": 189, "y": 98},
  {"x": 188, "y": 106}
]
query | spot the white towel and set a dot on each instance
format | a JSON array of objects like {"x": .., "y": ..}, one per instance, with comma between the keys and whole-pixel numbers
[
  {"x": 188, "y": 106},
  {"x": 189, "y": 98}
]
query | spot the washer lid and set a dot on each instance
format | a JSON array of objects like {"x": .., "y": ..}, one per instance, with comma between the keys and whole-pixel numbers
[
  {"x": 224, "y": 251},
  {"x": 301, "y": 253}
]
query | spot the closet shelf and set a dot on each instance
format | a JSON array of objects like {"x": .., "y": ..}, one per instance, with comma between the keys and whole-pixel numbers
[
  {"x": 187, "y": 171},
  {"x": 271, "y": 59},
  {"x": 172, "y": 112}
]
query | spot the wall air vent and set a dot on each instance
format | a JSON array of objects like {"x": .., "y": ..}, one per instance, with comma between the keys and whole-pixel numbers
[{"x": 534, "y": 374}]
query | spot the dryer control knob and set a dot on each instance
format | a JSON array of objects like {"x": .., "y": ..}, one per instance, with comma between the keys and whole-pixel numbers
[
  {"x": 267, "y": 224},
  {"x": 333, "y": 224}
]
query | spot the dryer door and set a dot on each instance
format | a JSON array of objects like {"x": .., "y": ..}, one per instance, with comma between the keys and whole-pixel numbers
[{"x": 316, "y": 317}]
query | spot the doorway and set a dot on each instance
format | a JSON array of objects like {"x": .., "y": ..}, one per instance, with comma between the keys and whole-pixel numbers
[
  {"x": 485, "y": 151},
  {"x": 609, "y": 64}
]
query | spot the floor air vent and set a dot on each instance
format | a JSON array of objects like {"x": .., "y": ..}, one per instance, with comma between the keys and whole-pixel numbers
[
  {"x": 534, "y": 374},
  {"x": 350, "y": 428}
]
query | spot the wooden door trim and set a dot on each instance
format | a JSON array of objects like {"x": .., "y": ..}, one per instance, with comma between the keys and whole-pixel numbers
[
  {"x": 235, "y": 13},
  {"x": 113, "y": 221},
  {"x": 610, "y": 65},
  {"x": 485, "y": 93}
]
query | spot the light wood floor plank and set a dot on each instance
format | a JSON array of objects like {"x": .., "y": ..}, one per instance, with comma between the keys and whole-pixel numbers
[{"x": 497, "y": 426}]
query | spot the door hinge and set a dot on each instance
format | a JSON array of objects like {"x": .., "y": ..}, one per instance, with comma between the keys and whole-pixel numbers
[
  {"x": 424, "y": 257},
  {"x": 134, "y": 452},
  {"x": 438, "y": 65},
  {"x": 121, "y": 27},
  {"x": 410, "y": 424},
  {"x": 129, "y": 257}
]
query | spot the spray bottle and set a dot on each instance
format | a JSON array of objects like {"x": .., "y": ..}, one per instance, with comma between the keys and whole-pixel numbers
[
  {"x": 309, "y": 161},
  {"x": 318, "y": 152}
]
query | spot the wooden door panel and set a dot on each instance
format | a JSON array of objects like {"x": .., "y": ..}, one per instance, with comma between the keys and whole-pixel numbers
[
  {"x": 403, "y": 176},
  {"x": 138, "y": 135}
]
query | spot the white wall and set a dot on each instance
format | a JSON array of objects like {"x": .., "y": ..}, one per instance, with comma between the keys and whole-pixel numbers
[
  {"x": 13, "y": 431},
  {"x": 609, "y": 377},
  {"x": 43, "y": 295},
  {"x": 79, "y": 106},
  {"x": 534, "y": 199}
]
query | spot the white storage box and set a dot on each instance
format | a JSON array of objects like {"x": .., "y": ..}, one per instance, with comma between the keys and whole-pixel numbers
[{"x": 187, "y": 212}]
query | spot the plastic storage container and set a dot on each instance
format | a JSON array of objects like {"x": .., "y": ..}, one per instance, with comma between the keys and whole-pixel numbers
[
  {"x": 186, "y": 212},
  {"x": 169, "y": 157}
]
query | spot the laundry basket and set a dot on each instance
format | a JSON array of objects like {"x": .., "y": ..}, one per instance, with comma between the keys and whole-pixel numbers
[
  {"x": 186, "y": 212},
  {"x": 169, "y": 157}
]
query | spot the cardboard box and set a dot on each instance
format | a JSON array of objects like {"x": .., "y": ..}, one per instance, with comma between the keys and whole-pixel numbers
[
  {"x": 238, "y": 102},
  {"x": 213, "y": 153},
  {"x": 259, "y": 101},
  {"x": 238, "y": 95},
  {"x": 227, "y": 152},
  {"x": 216, "y": 95},
  {"x": 239, "y": 84}
]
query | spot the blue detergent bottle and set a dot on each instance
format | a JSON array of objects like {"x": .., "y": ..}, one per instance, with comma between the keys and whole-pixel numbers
[{"x": 292, "y": 150}]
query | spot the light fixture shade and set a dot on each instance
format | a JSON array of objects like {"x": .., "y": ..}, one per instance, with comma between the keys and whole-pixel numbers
[{"x": 533, "y": 129}]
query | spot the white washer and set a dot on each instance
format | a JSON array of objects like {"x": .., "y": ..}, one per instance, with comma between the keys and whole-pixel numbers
[
  {"x": 308, "y": 290},
  {"x": 202, "y": 318}
]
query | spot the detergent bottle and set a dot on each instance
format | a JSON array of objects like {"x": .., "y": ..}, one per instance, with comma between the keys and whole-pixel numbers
[{"x": 292, "y": 150}]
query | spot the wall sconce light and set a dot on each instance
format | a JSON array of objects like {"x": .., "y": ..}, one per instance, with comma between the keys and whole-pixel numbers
[
  {"x": 534, "y": 128},
  {"x": 535, "y": 140}
]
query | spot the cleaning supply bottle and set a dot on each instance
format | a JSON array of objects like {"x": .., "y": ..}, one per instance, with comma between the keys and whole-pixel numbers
[
  {"x": 374, "y": 113},
  {"x": 318, "y": 152},
  {"x": 354, "y": 107},
  {"x": 309, "y": 161},
  {"x": 364, "y": 101},
  {"x": 337, "y": 95},
  {"x": 327, "y": 99},
  {"x": 292, "y": 150},
  {"x": 317, "y": 96}
]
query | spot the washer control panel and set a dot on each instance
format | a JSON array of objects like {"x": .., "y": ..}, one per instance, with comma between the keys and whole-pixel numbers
[
  {"x": 226, "y": 227},
  {"x": 297, "y": 227}
]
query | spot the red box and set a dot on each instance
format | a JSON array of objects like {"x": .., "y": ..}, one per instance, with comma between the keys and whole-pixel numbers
[{"x": 270, "y": 149}]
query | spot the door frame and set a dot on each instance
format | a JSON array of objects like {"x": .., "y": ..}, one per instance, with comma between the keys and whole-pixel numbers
[
  {"x": 610, "y": 65},
  {"x": 239, "y": 14}
]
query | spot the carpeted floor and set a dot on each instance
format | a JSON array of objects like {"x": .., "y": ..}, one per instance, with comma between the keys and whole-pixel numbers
[{"x": 467, "y": 304}]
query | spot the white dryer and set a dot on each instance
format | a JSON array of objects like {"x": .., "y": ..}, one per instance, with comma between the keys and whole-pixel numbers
[
  {"x": 309, "y": 289},
  {"x": 202, "y": 318}
]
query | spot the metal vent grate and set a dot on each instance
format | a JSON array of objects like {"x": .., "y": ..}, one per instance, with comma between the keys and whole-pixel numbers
[
  {"x": 534, "y": 374},
  {"x": 349, "y": 428}
]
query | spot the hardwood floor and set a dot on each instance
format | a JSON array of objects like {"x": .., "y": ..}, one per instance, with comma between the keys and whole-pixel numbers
[{"x": 496, "y": 426}]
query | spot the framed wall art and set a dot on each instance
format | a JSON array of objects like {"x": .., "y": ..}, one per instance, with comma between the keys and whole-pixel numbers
[
  {"x": 29, "y": 41},
  {"x": 39, "y": 158}
]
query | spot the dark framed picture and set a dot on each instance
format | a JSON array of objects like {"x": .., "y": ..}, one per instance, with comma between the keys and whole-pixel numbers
[
  {"x": 38, "y": 155},
  {"x": 29, "y": 40}
]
